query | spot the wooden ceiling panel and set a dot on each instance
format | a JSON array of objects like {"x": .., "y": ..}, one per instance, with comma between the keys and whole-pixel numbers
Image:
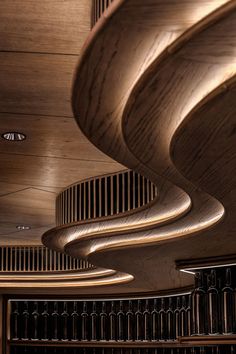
[
  {"x": 40, "y": 44},
  {"x": 51, "y": 137},
  {"x": 30, "y": 206},
  {"x": 44, "y": 26},
  {"x": 9, "y": 235},
  {"x": 50, "y": 172},
  {"x": 36, "y": 83}
]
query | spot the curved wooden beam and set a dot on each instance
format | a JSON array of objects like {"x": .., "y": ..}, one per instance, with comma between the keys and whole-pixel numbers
[{"x": 147, "y": 68}]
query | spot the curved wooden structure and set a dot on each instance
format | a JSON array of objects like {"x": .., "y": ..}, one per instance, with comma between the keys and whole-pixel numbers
[{"x": 154, "y": 90}]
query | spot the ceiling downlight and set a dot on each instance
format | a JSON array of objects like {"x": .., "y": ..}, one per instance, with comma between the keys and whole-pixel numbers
[{"x": 14, "y": 136}]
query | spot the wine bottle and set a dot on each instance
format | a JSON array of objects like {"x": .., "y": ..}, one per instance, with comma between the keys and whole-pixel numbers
[
  {"x": 155, "y": 321},
  {"x": 112, "y": 322},
  {"x": 130, "y": 322},
  {"x": 146, "y": 319},
  {"x": 121, "y": 322},
  {"x": 94, "y": 324},
  {"x": 177, "y": 319},
  {"x": 84, "y": 323},
  {"x": 103, "y": 322},
  {"x": 227, "y": 304},
  {"x": 212, "y": 304},
  {"x": 188, "y": 311},
  {"x": 162, "y": 321},
  {"x": 44, "y": 321},
  {"x": 35, "y": 322},
  {"x": 138, "y": 322},
  {"x": 55, "y": 321},
  {"x": 64, "y": 322},
  {"x": 170, "y": 320},
  {"x": 183, "y": 318},
  {"x": 199, "y": 306},
  {"x": 74, "y": 322},
  {"x": 25, "y": 322},
  {"x": 15, "y": 322}
]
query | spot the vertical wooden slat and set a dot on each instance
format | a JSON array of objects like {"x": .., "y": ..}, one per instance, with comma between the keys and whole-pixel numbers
[
  {"x": 63, "y": 261},
  {"x": 33, "y": 260},
  {"x": 54, "y": 260},
  {"x": 46, "y": 258},
  {"x": 66, "y": 206},
  {"x": 73, "y": 204},
  {"x": 2, "y": 258},
  {"x": 80, "y": 203},
  {"x": 144, "y": 189},
  {"x": 148, "y": 190},
  {"x": 89, "y": 201},
  {"x": 100, "y": 9},
  {"x": 152, "y": 191},
  {"x": 134, "y": 191},
  {"x": 70, "y": 258},
  {"x": 112, "y": 197},
  {"x": 100, "y": 196},
  {"x": 11, "y": 259},
  {"x": 61, "y": 211},
  {"x": 123, "y": 192},
  {"x": 106, "y": 196},
  {"x": 94, "y": 199},
  {"x": 129, "y": 190},
  {"x": 15, "y": 265},
  {"x": 29, "y": 253},
  {"x": 66, "y": 267},
  {"x": 117, "y": 194},
  {"x": 50, "y": 260},
  {"x": 24, "y": 267},
  {"x": 75, "y": 216},
  {"x": 139, "y": 189},
  {"x": 58, "y": 261},
  {"x": 85, "y": 197}
]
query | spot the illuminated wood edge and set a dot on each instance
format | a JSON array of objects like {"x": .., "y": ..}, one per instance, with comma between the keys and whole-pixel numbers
[
  {"x": 68, "y": 275},
  {"x": 81, "y": 65},
  {"x": 66, "y": 282},
  {"x": 215, "y": 218},
  {"x": 160, "y": 211},
  {"x": 192, "y": 265}
]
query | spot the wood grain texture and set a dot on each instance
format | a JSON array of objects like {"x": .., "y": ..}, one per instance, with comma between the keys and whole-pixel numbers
[
  {"x": 156, "y": 70},
  {"x": 40, "y": 43},
  {"x": 44, "y": 26}
]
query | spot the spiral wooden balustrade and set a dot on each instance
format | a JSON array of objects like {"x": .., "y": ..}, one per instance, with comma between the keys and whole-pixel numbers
[{"x": 155, "y": 90}]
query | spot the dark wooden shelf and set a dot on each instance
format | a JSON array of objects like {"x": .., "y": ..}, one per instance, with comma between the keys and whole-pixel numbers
[
  {"x": 95, "y": 344},
  {"x": 182, "y": 342},
  {"x": 209, "y": 340}
]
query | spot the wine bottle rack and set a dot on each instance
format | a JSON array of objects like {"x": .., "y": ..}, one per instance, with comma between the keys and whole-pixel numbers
[
  {"x": 201, "y": 322},
  {"x": 159, "y": 319}
]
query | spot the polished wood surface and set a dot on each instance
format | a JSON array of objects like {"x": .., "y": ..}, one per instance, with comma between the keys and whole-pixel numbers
[
  {"x": 40, "y": 43},
  {"x": 153, "y": 98},
  {"x": 153, "y": 83}
]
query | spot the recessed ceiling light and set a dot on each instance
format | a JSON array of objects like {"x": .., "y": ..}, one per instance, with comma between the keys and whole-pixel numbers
[
  {"x": 13, "y": 136},
  {"x": 23, "y": 227}
]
